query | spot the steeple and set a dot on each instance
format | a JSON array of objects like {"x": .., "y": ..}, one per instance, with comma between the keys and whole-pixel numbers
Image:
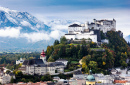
[{"x": 43, "y": 56}]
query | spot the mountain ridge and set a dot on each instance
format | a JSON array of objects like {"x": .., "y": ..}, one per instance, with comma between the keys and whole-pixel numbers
[{"x": 21, "y": 30}]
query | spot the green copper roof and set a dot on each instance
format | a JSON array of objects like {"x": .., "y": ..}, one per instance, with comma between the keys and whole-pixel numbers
[{"x": 90, "y": 78}]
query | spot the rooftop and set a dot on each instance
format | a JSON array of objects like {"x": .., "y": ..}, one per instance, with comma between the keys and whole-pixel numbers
[{"x": 75, "y": 25}]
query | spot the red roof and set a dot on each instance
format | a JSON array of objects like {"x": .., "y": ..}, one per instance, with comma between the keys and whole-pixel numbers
[{"x": 43, "y": 54}]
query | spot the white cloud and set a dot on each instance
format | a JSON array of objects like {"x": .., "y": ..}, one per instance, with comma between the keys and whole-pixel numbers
[
  {"x": 58, "y": 28},
  {"x": 35, "y": 36},
  {"x": 10, "y": 32},
  {"x": 56, "y": 34},
  {"x": 25, "y": 23},
  {"x": 121, "y": 16}
]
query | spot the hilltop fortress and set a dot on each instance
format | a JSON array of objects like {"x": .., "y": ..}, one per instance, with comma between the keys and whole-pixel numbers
[{"x": 90, "y": 31}]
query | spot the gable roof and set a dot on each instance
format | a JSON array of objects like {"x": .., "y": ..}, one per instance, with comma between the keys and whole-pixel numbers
[
  {"x": 75, "y": 25},
  {"x": 61, "y": 60},
  {"x": 33, "y": 61}
]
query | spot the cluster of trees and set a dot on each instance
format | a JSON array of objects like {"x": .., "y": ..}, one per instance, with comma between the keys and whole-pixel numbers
[
  {"x": 98, "y": 61},
  {"x": 115, "y": 54},
  {"x": 10, "y": 58},
  {"x": 120, "y": 48},
  {"x": 20, "y": 77},
  {"x": 69, "y": 51}
]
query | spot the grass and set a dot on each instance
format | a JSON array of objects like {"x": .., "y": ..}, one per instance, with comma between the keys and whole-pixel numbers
[
  {"x": 74, "y": 62},
  {"x": 96, "y": 48}
]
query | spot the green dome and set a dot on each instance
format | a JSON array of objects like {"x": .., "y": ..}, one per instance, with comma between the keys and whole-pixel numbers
[{"x": 90, "y": 78}]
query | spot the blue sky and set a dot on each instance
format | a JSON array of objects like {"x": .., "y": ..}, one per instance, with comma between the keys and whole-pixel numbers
[
  {"x": 82, "y": 10},
  {"x": 63, "y": 5}
]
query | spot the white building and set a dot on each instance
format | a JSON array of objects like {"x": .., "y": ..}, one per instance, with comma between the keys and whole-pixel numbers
[
  {"x": 102, "y": 25},
  {"x": 105, "y": 41},
  {"x": 41, "y": 67},
  {"x": 63, "y": 61},
  {"x": 90, "y": 31},
  {"x": 5, "y": 78},
  {"x": 78, "y": 32},
  {"x": 19, "y": 61}
]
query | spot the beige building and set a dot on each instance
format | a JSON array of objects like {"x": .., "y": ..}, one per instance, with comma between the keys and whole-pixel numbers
[
  {"x": 90, "y": 79},
  {"x": 41, "y": 67},
  {"x": 5, "y": 78}
]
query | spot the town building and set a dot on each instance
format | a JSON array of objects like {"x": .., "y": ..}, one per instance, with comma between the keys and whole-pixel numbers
[
  {"x": 19, "y": 61},
  {"x": 90, "y": 79},
  {"x": 90, "y": 32},
  {"x": 63, "y": 61},
  {"x": 5, "y": 78},
  {"x": 41, "y": 67}
]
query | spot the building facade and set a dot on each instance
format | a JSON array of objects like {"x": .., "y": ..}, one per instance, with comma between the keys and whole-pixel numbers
[
  {"x": 41, "y": 67},
  {"x": 103, "y": 25},
  {"x": 19, "y": 61},
  {"x": 90, "y": 31}
]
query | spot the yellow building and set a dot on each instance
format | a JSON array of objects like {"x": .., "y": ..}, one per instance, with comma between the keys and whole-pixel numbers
[{"x": 90, "y": 79}]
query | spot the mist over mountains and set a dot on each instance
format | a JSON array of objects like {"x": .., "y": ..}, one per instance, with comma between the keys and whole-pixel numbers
[{"x": 22, "y": 32}]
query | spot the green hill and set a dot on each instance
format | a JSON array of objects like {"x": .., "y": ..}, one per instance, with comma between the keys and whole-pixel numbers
[{"x": 115, "y": 54}]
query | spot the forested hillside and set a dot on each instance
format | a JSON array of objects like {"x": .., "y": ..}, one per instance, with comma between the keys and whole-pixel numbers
[
  {"x": 10, "y": 58},
  {"x": 115, "y": 54}
]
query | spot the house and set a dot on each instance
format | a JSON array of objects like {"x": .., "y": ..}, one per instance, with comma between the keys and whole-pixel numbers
[
  {"x": 63, "y": 61},
  {"x": 78, "y": 75},
  {"x": 5, "y": 78},
  {"x": 41, "y": 67},
  {"x": 19, "y": 61}
]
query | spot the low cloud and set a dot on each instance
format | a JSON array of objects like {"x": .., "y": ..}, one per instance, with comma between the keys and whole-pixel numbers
[
  {"x": 32, "y": 37},
  {"x": 56, "y": 34},
  {"x": 36, "y": 36},
  {"x": 119, "y": 14},
  {"x": 10, "y": 32}
]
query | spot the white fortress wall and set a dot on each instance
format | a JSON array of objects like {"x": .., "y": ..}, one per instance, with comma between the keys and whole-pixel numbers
[{"x": 70, "y": 37}]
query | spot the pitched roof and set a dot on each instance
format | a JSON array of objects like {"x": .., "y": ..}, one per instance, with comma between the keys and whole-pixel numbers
[
  {"x": 33, "y": 61},
  {"x": 61, "y": 60},
  {"x": 77, "y": 72},
  {"x": 55, "y": 64},
  {"x": 75, "y": 25}
]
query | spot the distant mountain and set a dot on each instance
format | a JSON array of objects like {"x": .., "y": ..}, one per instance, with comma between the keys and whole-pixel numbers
[
  {"x": 22, "y": 32},
  {"x": 127, "y": 38},
  {"x": 29, "y": 23}
]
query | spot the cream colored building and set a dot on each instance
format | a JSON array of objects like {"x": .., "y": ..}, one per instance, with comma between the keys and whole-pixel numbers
[
  {"x": 90, "y": 79},
  {"x": 41, "y": 67},
  {"x": 5, "y": 78}
]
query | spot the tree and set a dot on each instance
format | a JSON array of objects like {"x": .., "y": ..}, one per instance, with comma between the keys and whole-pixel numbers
[
  {"x": 46, "y": 77},
  {"x": 63, "y": 40},
  {"x": 18, "y": 73},
  {"x": 12, "y": 80},
  {"x": 8, "y": 71},
  {"x": 56, "y": 42},
  {"x": 93, "y": 65},
  {"x": 80, "y": 55},
  {"x": 123, "y": 64},
  {"x": 83, "y": 42},
  {"x": 23, "y": 80},
  {"x": 50, "y": 59}
]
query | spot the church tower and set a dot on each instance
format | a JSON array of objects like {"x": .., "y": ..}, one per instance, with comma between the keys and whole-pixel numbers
[{"x": 43, "y": 56}]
